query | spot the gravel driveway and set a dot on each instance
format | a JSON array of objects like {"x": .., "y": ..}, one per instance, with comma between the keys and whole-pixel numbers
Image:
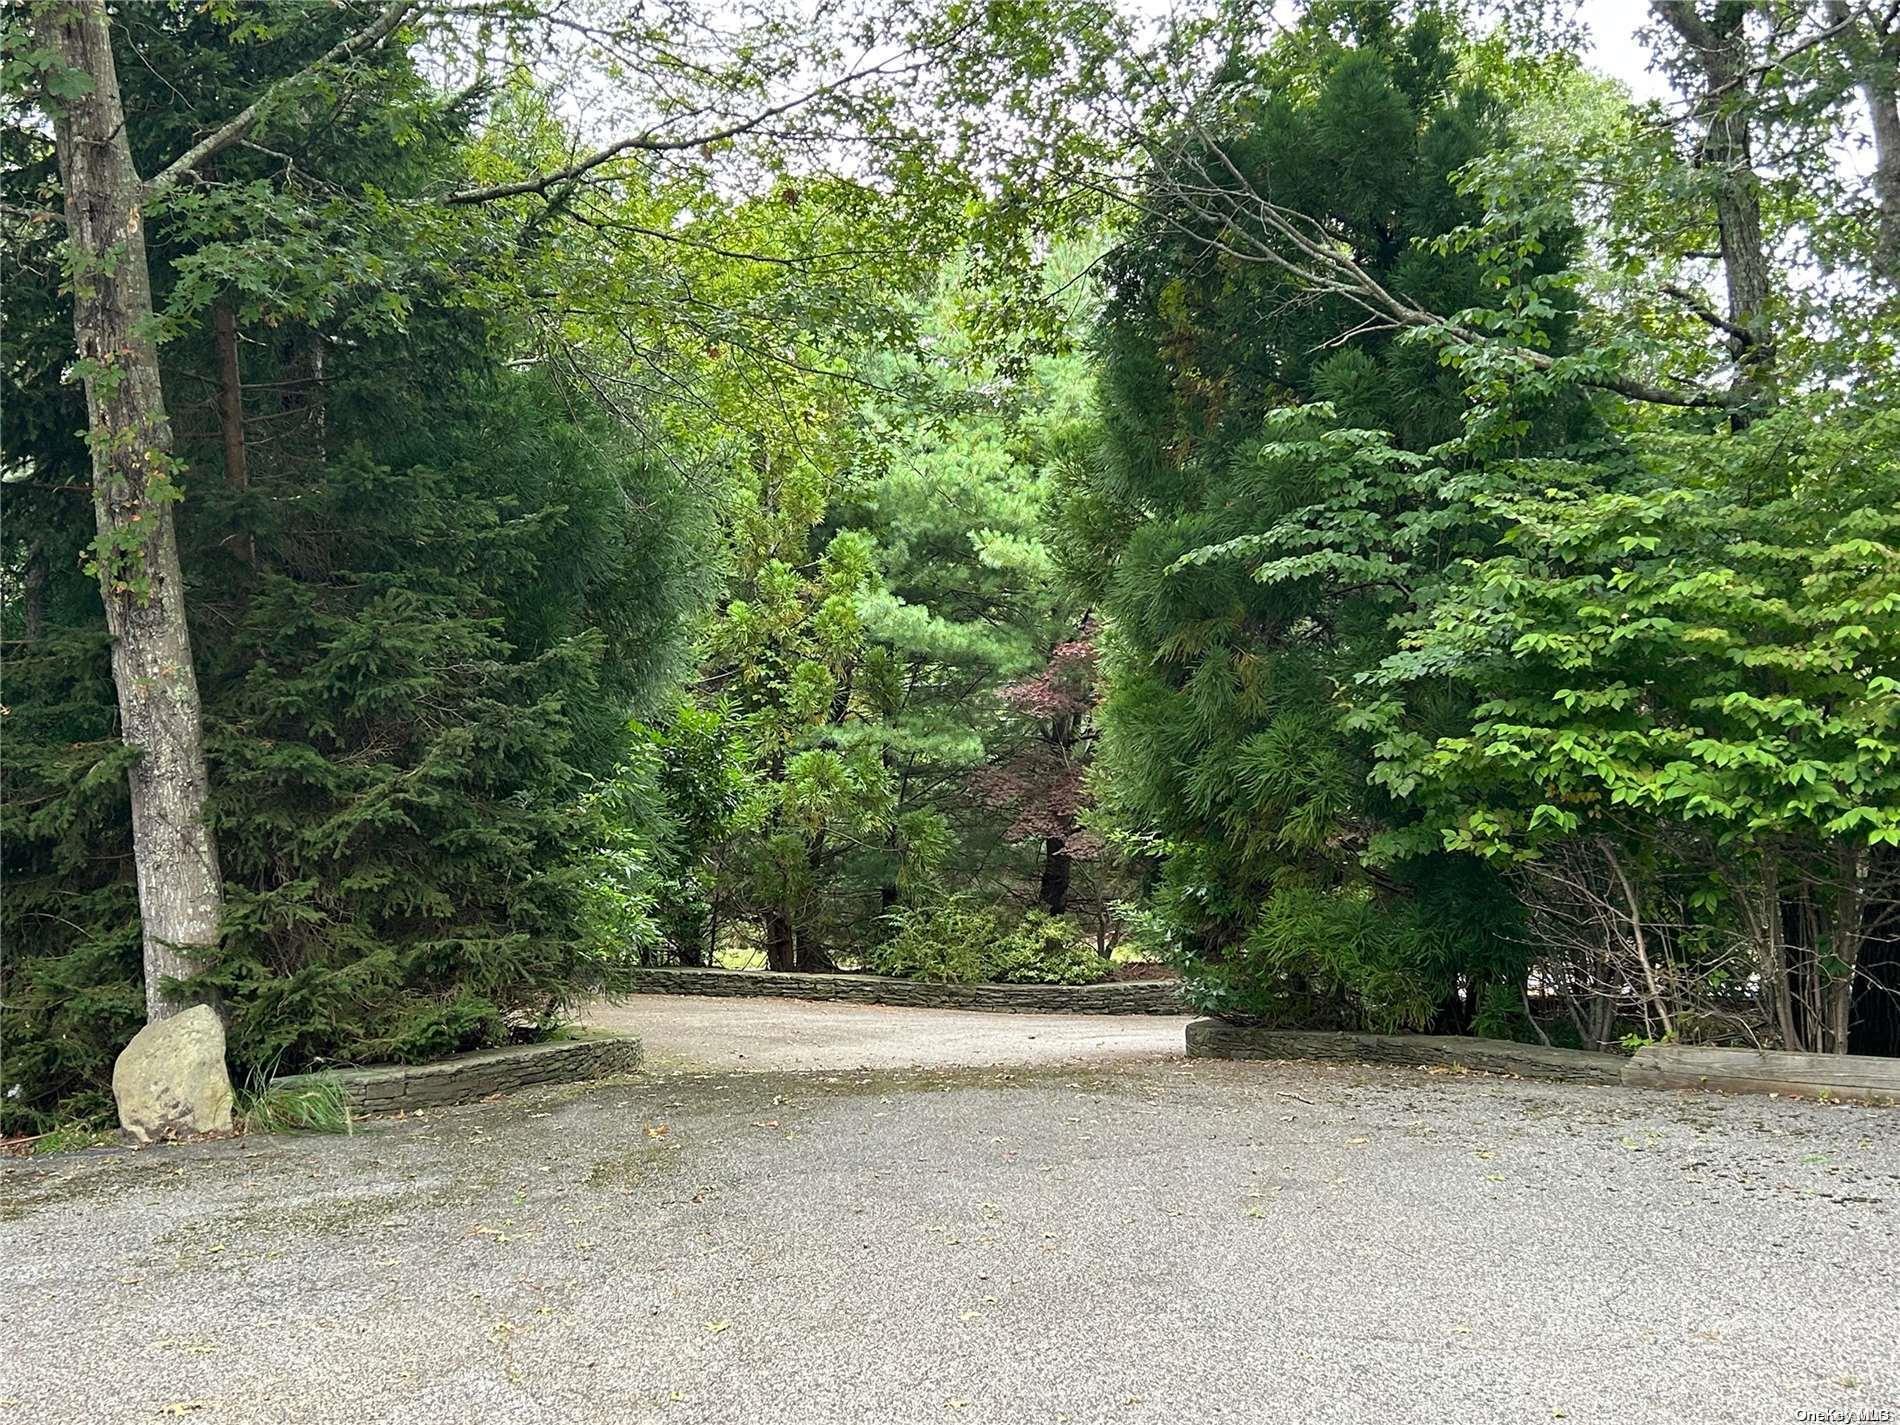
[
  {"x": 1147, "y": 1241},
  {"x": 706, "y": 1032}
]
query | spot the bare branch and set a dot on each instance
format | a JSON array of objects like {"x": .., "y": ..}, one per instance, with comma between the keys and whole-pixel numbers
[
  {"x": 652, "y": 141},
  {"x": 1705, "y": 312},
  {"x": 1245, "y": 220}
]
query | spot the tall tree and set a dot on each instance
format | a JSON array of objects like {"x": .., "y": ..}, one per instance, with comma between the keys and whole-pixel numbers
[
  {"x": 1221, "y": 746},
  {"x": 745, "y": 82},
  {"x": 135, "y": 479},
  {"x": 419, "y": 622}
]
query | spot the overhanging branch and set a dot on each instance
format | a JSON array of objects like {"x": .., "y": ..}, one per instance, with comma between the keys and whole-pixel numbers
[
  {"x": 652, "y": 141},
  {"x": 239, "y": 124}
]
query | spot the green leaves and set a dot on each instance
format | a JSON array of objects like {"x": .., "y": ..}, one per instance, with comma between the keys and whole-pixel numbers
[
  {"x": 1678, "y": 646},
  {"x": 29, "y": 69}
]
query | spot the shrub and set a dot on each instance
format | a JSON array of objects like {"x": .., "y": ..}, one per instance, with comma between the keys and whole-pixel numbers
[
  {"x": 944, "y": 943},
  {"x": 1043, "y": 949},
  {"x": 958, "y": 942}
]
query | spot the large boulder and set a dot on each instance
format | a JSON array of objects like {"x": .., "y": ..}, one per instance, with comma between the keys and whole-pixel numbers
[{"x": 171, "y": 1081}]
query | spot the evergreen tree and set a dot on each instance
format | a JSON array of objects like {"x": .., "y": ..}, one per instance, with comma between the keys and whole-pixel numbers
[
  {"x": 970, "y": 612},
  {"x": 1222, "y": 745},
  {"x": 890, "y": 586},
  {"x": 425, "y": 597}
]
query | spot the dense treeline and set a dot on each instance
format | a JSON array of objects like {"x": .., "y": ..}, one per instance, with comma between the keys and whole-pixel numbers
[
  {"x": 425, "y": 590},
  {"x": 1419, "y": 551}
]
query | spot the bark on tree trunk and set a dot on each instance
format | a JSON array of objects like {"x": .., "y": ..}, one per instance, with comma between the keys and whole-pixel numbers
[
  {"x": 1874, "y": 1022},
  {"x": 1881, "y": 90},
  {"x": 34, "y": 591},
  {"x": 780, "y": 949},
  {"x": 134, "y": 486},
  {"x": 1053, "y": 891},
  {"x": 808, "y": 954},
  {"x": 1719, "y": 47},
  {"x": 1875, "y": 51},
  {"x": 231, "y": 416}
]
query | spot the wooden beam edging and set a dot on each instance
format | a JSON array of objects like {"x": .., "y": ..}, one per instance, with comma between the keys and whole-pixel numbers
[
  {"x": 1119, "y": 997},
  {"x": 1844, "y": 1077},
  {"x": 1217, "y": 1039},
  {"x": 464, "y": 1078}
]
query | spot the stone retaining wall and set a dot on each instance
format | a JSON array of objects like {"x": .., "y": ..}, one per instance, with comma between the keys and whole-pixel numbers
[
  {"x": 1847, "y": 1077},
  {"x": 1129, "y": 997},
  {"x": 395, "y": 1088}
]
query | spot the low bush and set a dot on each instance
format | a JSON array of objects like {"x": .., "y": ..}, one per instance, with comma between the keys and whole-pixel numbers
[
  {"x": 957, "y": 942},
  {"x": 942, "y": 944},
  {"x": 1043, "y": 949}
]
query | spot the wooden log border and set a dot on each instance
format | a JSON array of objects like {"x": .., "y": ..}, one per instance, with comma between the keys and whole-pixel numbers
[
  {"x": 1126, "y": 997},
  {"x": 1217, "y": 1039},
  {"x": 399, "y": 1088},
  {"x": 1846, "y": 1078}
]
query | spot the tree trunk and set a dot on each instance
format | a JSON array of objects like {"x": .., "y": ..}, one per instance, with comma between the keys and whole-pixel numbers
[
  {"x": 807, "y": 954},
  {"x": 33, "y": 590},
  {"x": 1052, "y": 894},
  {"x": 231, "y": 417},
  {"x": 134, "y": 487},
  {"x": 1875, "y": 56},
  {"x": 1719, "y": 47},
  {"x": 780, "y": 947},
  {"x": 1880, "y": 88},
  {"x": 1874, "y": 1024}
]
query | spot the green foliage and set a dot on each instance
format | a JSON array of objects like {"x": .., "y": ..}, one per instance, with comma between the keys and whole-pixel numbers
[
  {"x": 421, "y": 623},
  {"x": 1248, "y": 500},
  {"x": 408, "y": 699},
  {"x": 1043, "y": 949},
  {"x": 958, "y": 941},
  {"x": 70, "y": 1138},
  {"x": 943, "y": 943},
  {"x": 888, "y": 581},
  {"x": 1715, "y": 640},
  {"x": 1691, "y": 670},
  {"x": 318, "y": 1105}
]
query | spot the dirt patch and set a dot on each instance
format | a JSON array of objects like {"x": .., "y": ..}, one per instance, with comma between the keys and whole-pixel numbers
[{"x": 1139, "y": 972}]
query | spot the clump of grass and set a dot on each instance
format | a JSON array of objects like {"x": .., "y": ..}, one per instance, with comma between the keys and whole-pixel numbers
[
  {"x": 67, "y": 1138},
  {"x": 317, "y": 1104}
]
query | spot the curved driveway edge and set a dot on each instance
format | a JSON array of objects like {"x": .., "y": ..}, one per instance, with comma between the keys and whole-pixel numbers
[{"x": 683, "y": 1032}]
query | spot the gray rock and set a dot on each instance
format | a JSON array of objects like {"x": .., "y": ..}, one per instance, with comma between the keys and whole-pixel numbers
[{"x": 171, "y": 1081}]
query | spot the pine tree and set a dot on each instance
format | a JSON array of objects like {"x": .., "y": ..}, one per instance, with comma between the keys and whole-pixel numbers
[
  {"x": 970, "y": 612},
  {"x": 425, "y": 596},
  {"x": 1222, "y": 744}
]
